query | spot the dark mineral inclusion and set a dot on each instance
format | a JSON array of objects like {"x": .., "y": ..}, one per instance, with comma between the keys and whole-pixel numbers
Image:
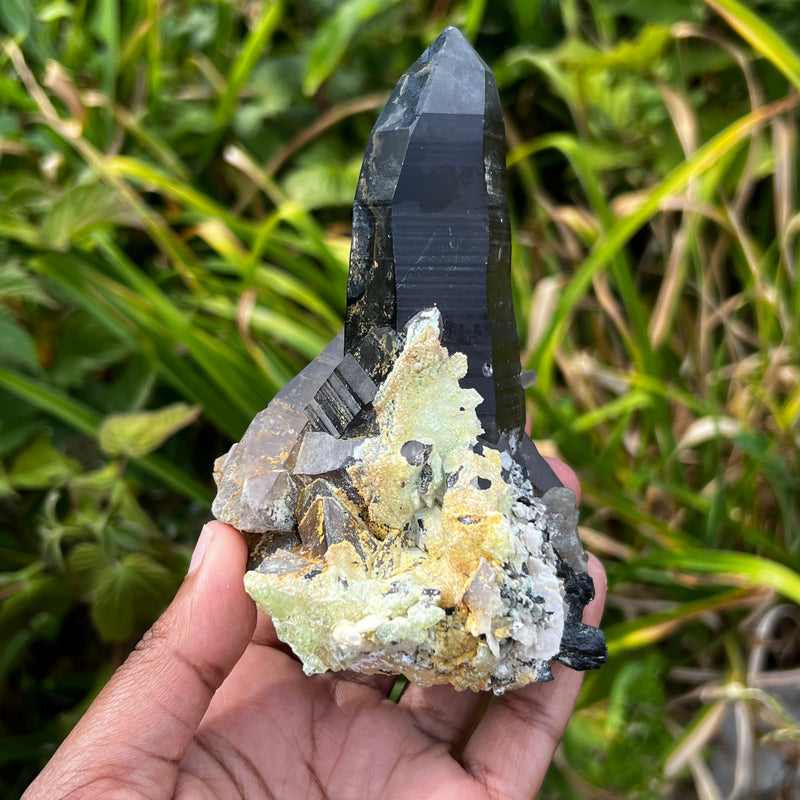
[{"x": 430, "y": 229}]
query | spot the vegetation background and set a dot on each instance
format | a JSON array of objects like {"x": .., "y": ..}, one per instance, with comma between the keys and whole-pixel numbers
[{"x": 175, "y": 190}]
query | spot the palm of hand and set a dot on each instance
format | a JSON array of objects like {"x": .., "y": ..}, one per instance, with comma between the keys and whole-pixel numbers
[
  {"x": 272, "y": 732},
  {"x": 211, "y": 705}
]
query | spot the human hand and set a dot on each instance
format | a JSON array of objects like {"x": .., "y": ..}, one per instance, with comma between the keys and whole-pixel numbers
[{"x": 211, "y": 705}]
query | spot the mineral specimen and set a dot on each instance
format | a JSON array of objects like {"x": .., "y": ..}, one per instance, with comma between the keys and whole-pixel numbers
[{"x": 399, "y": 519}]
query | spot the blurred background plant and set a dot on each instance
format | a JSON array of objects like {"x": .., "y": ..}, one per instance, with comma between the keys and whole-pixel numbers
[{"x": 175, "y": 183}]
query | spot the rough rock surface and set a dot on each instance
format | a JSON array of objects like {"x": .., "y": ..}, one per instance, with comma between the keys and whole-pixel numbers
[{"x": 418, "y": 550}]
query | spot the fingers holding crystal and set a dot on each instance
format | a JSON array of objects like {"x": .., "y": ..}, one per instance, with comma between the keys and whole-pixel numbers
[{"x": 512, "y": 747}]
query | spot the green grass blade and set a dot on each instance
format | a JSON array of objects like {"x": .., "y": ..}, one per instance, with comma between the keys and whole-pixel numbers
[
  {"x": 252, "y": 50},
  {"x": 621, "y": 233},
  {"x": 739, "y": 567},
  {"x": 652, "y": 628},
  {"x": 334, "y": 37},
  {"x": 154, "y": 177},
  {"x": 761, "y": 36}
]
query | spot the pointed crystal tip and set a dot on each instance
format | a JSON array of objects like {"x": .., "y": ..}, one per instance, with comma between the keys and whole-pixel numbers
[{"x": 456, "y": 76}]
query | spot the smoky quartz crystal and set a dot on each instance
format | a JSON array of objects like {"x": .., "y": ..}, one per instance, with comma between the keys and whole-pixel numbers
[{"x": 399, "y": 519}]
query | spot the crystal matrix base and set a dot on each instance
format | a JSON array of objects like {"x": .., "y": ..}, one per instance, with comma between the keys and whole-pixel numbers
[{"x": 422, "y": 551}]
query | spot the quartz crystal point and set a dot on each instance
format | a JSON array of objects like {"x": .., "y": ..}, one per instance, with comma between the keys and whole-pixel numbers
[{"x": 399, "y": 519}]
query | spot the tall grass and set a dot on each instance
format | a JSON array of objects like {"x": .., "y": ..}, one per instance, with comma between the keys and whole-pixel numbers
[{"x": 175, "y": 183}]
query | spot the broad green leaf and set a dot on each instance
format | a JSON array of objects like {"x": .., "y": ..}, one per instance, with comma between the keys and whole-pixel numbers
[
  {"x": 41, "y": 466},
  {"x": 16, "y": 283},
  {"x": 128, "y": 594},
  {"x": 81, "y": 209},
  {"x": 83, "y": 346},
  {"x": 17, "y": 347},
  {"x": 85, "y": 563},
  {"x": 137, "y": 434},
  {"x": 25, "y": 192},
  {"x": 334, "y": 36},
  {"x": 82, "y": 418},
  {"x": 96, "y": 484}
]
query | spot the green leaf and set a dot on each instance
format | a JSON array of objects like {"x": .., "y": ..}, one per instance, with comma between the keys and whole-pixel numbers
[
  {"x": 85, "y": 564},
  {"x": 17, "y": 17},
  {"x": 128, "y": 595},
  {"x": 737, "y": 567},
  {"x": 325, "y": 183},
  {"x": 17, "y": 348},
  {"x": 761, "y": 36},
  {"x": 16, "y": 283},
  {"x": 334, "y": 36},
  {"x": 41, "y": 466},
  {"x": 251, "y": 51},
  {"x": 83, "y": 346},
  {"x": 17, "y": 228},
  {"x": 80, "y": 210},
  {"x": 78, "y": 415},
  {"x": 137, "y": 434}
]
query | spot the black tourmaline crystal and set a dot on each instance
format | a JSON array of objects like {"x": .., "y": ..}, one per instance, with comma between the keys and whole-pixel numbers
[{"x": 330, "y": 475}]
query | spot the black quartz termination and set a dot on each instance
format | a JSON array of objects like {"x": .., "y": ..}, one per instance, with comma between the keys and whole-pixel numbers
[{"x": 431, "y": 227}]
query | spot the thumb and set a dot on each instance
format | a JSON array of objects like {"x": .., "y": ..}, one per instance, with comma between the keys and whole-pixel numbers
[{"x": 138, "y": 729}]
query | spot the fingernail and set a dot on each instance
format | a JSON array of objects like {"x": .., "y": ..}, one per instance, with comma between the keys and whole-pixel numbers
[{"x": 200, "y": 548}]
